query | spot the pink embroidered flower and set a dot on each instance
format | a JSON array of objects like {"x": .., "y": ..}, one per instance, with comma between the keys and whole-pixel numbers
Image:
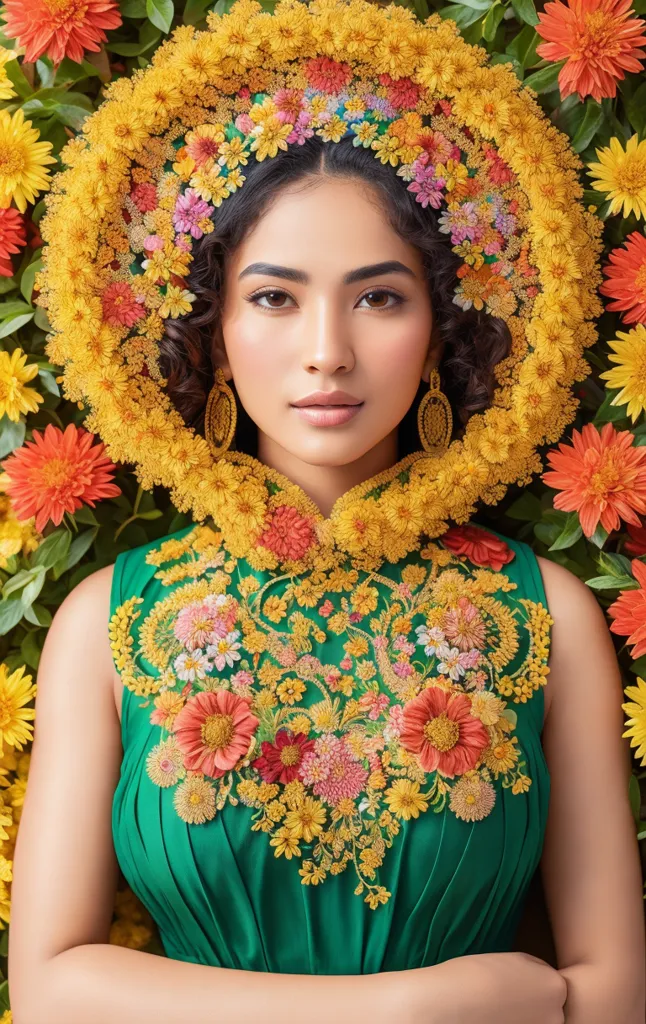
[
  {"x": 380, "y": 642},
  {"x": 376, "y": 702},
  {"x": 242, "y": 682},
  {"x": 153, "y": 242},
  {"x": 438, "y": 726},
  {"x": 333, "y": 771},
  {"x": 302, "y": 130},
  {"x": 478, "y": 545},
  {"x": 244, "y": 123},
  {"x": 464, "y": 626},
  {"x": 288, "y": 534},
  {"x": 395, "y": 722},
  {"x": 190, "y": 212},
  {"x": 144, "y": 196},
  {"x": 326, "y": 608},
  {"x": 206, "y": 621},
  {"x": 401, "y": 643},
  {"x": 281, "y": 761},
  {"x": 328, "y": 75},
  {"x": 402, "y": 669},
  {"x": 120, "y": 305},
  {"x": 286, "y": 656},
  {"x": 346, "y": 663},
  {"x": 355, "y": 616},
  {"x": 214, "y": 731}
]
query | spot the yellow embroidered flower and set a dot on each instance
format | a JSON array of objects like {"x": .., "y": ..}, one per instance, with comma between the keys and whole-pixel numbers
[
  {"x": 521, "y": 785},
  {"x": 165, "y": 764},
  {"x": 307, "y": 820},
  {"x": 300, "y": 723},
  {"x": 405, "y": 800},
  {"x": 194, "y": 800},
  {"x": 502, "y": 757},
  {"x": 325, "y": 716},
  {"x": 16, "y": 690},
  {"x": 275, "y": 608},
  {"x": 364, "y": 599},
  {"x": 471, "y": 797},
  {"x": 285, "y": 843},
  {"x": 377, "y": 896},
  {"x": 290, "y": 690},
  {"x": 311, "y": 874},
  {"x": 357, "y": 646}
]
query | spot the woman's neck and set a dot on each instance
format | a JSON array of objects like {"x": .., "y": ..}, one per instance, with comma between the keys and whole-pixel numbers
[{"x": 326, "y": 484}]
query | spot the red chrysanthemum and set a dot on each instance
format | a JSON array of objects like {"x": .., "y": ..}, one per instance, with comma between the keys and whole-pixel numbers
[
  {"x": 626, "y": 273},
  {"x": 602, "y": 476},
  {"x": 402, "y": 93},
  {"x": 281, "y": 761},
  {"x": 438, "y": 726},
  {"x": 12, "y": 238},
  {"x": 60, "y": 28},
  {"x": 144, "y": 196},
  {"x": 214, "y": 730},
  {"x": 598, "y": 40},
  {"x": 629, "y": 612},
  {"x": 328, "y": 75},
  {"x": 289, "y": 534},
  {"x": 58, "y": 472},
  {"x": 120, "y": 305},
  {"x": 480, "y": 546}
]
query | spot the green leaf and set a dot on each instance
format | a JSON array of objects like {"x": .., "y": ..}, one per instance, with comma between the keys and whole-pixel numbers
[
  {"x": 545, "y": 80},
  {"x": 27, "y": 279},
  {"x": 570, "y": 533},
  {"x": 615, "y": 565},
  {"x": 49, "y": 382},
  {"x": 636, "y": 110},
  {"x": 38, "y": 615},
  {"x": 612, "y": 583},
  {"x": 592, "y": 121},
  {"x": 30, "y": 649},
  {"x": 599, "y": 537},
  {"x": 607, "y": 412},
  {"x": 527, "y": 508},
  {"x": 80, "y": 545},
  {"x": 525, "y": 11},
  {"x": 53, "y": 548},
  {"x": 18, "y": 582},
  {"x": 195, "y": 11},
  {"x": 635, "y": 797},
  {"x": 14, "y": 323},
  {"x": 4, "y": 989},
  {"x": 9, "y": 309},
  {"x": 155, "y": 513},
  {"x": 16, "y": 76},
  {"x": 133, "y": 8},
  {"x": 462, "y": 16},
  {"x": 12, "y": 435},
  {"x": 639, "y": 666},
  {"x": 11, "y": 612},
  {"x": 160, "y": 13},
  {"x": 86, "y": 516},
  {"x": 523, "y": 46},
  {"x": 492, "y": 21},
  {"x": 33, "y": 589}
]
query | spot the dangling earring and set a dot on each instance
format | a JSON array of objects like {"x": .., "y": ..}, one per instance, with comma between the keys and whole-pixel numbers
[
  {"x": 220, "y": 416},
  {"x": 434, "y": 418}
]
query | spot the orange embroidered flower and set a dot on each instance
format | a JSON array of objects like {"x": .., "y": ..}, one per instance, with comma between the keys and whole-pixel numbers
[
  {"x": 602, "y": 476},
  {"x": 480, "y": 546},
  {"x": 629, "y": 612},
  {"x": 626, "y": 284},
  {"x": 289, "y": 534},
  {"x": 438, "y": 726},
  {"x": 64, "y": 28},
  {"x": 599, "y": 41},
  {"x": 214, "y": 731},
  {"x": 56, "y": 473}
]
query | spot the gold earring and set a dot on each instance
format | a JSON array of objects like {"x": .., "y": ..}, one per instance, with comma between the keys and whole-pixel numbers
[
  {"x": 220, "y": 416},
  {"x": 434, "y": 418}
]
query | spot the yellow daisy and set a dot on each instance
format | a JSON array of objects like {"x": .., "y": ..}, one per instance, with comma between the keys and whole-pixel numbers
[
  {"x": 630, "y": 373},
  {"x": 307, "y": 820},
  {"x": 637, "y": 722},
  {"x": 6, "y": 88},
  {"x": 15, "y": 398},
  {"x": 622, "y": 174},
  {"x": 22, "y": 161},
  {"x": 405, "y": 800},
  {"x": 16, "y": 690}
]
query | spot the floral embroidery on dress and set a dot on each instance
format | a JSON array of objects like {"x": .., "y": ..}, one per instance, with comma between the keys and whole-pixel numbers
[{"x": 331, "y": 757}]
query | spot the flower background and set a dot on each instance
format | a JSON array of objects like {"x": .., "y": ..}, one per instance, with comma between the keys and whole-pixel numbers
[{"x": 66, "y": 510}]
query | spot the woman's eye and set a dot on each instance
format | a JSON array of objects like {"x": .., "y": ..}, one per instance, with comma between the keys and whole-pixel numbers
[
  {"x": 275, "y": 299},
  {"x": 381, "y": 294},
  {"x": 271, "y": 295}
]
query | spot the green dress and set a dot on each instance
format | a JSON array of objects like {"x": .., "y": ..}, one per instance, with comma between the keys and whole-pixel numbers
[{"x": 330, "y": 770}]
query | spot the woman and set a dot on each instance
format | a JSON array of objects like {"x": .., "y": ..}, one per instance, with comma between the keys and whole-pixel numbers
[{"x": 323, "y": 661}]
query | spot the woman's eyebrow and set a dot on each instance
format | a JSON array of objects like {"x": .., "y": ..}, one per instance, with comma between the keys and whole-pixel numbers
[{"x": 300, "y": 277}]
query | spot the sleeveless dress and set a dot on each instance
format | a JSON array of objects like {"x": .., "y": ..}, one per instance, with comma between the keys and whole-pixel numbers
[{"x": 334, "y": 772}]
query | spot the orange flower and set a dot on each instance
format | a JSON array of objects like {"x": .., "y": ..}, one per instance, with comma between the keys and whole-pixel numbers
[
  {"x": 56, "y": 473},
  {"x": 597, "y": 38},
  {"x": 438, "y": 726},
  {"x": 480, "y": 546},
  {"x": 214, "y": 730},
  {"x": 602, "y": 477},
  {"x": 637, "y": 544},
  {"x": 62, "y": 29},
  {"x": 12, "y": 237},
  {"x": 629, "y": 612},
  {"x": 626, "y": 282}
]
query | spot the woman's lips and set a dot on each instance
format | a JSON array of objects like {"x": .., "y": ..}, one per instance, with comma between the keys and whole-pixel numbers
[{"x": 327, "y": 415}]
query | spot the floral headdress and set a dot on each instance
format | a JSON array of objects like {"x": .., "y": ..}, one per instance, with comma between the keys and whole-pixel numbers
[{"x": 171, "y": 143}]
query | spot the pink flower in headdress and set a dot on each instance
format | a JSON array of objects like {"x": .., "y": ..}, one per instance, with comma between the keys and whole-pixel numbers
[
  {"x": 437, "y": 146},
  {"x": 328, "y": 75},
  {"x": 189, "y": 211},
  {"x": 427, "y": 187},
  {"x": 289, "y": 102},
  {"x": 289, "y": 534},
  {"x": 460, "y": 224},
  {"x": 152, "y": 242},
  {"x": 244, "y": 123},
  {"x": 144, "y": 196},
  {"x": 120, "y": 305},
  {"x": 402, "y": 93},
  {"x": 301, "y": 131}
]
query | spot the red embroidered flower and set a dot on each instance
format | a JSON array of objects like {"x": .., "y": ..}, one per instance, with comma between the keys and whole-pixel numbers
[
  {"x": 281, "y": 762},
  {"x": 120, "y": 305},
  {"x": 438, "y": 726},
  {"x": 328, "y": 75},
  {"x": 402, "y": 93},
  {"x": 289, "y": 534},
  {"x": 213, "y": 730},
  {"x": 629, "y": 612},
  {"x": 479, "y": 546},
  {"x": 144, "y": 196}
]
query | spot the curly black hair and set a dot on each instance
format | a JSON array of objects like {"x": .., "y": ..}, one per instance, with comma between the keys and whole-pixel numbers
[{"x": 473, "y": 341}]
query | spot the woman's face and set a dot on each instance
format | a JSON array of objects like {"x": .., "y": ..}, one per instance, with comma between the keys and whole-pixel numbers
[{"x": 309, "y": 309}]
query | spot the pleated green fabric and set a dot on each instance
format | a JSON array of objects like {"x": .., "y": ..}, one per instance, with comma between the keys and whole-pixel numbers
[{"x": 331, "y": 847}]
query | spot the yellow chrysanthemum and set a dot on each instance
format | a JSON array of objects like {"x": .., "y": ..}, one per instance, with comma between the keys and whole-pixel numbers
[
  {"x": 22, "y": 161},
  {"x": 630, "y": 372},
  {"x": 622, "y": 174},
  {"x": 15, "y": 398},
  {"x": 6, "y": 88},
  {"x": 16, "y": 690},
  {"x": 15, "y": 535},
  {"x": 637, "y": 721},
  {"x": 405, "y": 800}
]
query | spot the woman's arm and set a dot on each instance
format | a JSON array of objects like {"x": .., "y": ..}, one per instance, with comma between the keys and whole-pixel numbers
[
  {"x": 63, "y": 969},
  {"x": 590, "y": 864}
]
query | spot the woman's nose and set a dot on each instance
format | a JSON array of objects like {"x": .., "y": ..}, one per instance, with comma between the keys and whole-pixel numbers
[{"x": 327, "y": 346}]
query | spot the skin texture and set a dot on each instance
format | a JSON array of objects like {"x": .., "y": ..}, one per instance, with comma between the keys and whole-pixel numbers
[{"x": 62, "y": 968}]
